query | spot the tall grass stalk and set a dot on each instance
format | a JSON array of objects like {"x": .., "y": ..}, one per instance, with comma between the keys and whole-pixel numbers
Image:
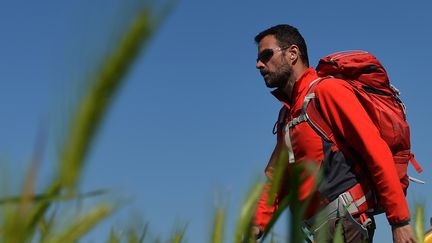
[
  {"x": 294, "y": 179},
  {"x": 113, "y": 237},
  {"x": 243, "y": 232},
  {"x": 218, "y": 226},
  {"x": 82, "y": 225},
  {"x": 28, "y": 218},
  {"x": 419, "y": 219},
  {"x": 338, "y": 234},
  {"x": 178, "y": 235},
  {"x": 277, "y": 179},
  {"x": 95, "y": 103}
]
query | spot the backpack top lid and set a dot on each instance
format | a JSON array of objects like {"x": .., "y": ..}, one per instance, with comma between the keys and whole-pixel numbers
[{"x": 355, "y": 65}]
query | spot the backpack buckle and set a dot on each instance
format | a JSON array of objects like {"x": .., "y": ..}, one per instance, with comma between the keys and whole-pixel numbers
[{"x": 365, "y": 220}]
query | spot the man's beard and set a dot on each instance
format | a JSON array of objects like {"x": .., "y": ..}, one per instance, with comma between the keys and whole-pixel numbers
[{"x": 278, "y": 78}]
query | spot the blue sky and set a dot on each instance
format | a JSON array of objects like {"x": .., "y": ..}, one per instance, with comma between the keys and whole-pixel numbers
[{"x": 192, "y": 124}]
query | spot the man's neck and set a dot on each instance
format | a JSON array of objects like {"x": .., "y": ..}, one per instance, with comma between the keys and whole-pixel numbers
[{"x": 297, "y": 72}]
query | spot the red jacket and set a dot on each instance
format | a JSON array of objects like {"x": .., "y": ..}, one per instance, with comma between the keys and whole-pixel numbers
[{"x": 350, "y": 123}]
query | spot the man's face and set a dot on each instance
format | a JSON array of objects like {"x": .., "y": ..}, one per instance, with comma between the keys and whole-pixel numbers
[{"x": 272, "y": 63}]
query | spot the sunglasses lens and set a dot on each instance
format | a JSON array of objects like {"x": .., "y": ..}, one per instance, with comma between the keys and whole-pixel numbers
[{"x": 265, "y": 55}]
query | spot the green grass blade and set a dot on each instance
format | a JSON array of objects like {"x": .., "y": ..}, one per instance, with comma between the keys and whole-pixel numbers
[
  {"x": 113, "y": 237},
  {"x": 95, "y": 103},
  {"x": 17, "y": 222},
  {"x": 218, "y": 226},
  {"x": 132, "y": 236},
  {"x": 301, "y": 171},
  {"x": 419, "y": 222},
  {"x": 41, "y": 208},
  {"x": 338, "y": 238},
  {"x": 143, "y": 234},
  {"x": 51, "y": 198},
  {"x": 278, "y": 176},
  {"x": 178, "y": 235},
  {"x": 244, "y": 223},
  {"x": 82, "y": 225},
  {"x": 46, "y": 226},
  {"x": 297, "y": 177},
  {"x": 18, "y": 229},
  {"x": 26, "y": 213},
  {"x": 282, "y": 206}
]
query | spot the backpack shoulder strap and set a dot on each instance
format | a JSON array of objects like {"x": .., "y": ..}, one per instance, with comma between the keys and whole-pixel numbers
[{"x": 311, "y": 112}]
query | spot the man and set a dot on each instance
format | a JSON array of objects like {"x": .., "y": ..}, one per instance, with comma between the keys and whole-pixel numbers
[{"x": 283, "y": 63}]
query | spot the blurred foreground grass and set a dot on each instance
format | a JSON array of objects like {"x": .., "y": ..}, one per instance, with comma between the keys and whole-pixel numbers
[{"x": 33, "y": 217}]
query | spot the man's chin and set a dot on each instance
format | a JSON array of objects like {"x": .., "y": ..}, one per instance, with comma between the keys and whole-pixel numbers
[{"x": 270, "y": 84}]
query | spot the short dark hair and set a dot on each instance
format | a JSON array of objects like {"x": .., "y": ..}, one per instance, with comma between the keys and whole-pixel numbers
[{"x": 286, "y": 35}]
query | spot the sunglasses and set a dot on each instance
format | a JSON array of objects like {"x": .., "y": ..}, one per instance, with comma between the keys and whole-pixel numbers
[{"x": 267, "y": 54}]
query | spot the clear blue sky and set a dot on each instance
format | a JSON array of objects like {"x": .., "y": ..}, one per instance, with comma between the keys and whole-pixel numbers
[{"x": 193, "y": 122}]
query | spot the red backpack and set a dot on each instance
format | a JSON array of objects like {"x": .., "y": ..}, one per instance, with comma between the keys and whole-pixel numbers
[{"x": 378, "y": 97}]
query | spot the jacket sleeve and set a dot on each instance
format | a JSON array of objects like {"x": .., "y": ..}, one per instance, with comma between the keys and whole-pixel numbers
[
  {"x": 264, "y": 212},
  {"x": 350, "y": 122}
]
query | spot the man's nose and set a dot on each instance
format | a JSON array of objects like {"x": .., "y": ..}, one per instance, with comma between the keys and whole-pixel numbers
[{"x": 259, "y": 64}]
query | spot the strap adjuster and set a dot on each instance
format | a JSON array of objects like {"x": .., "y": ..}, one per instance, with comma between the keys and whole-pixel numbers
[
  {"x": 365, "y": 220},
  {"x": 348, "y": 202}
]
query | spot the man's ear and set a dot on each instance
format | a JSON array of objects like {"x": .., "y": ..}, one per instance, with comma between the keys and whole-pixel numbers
[{"x": 293, "y": 53}]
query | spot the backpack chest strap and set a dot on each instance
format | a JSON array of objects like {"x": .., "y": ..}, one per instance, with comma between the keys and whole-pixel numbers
[{"x": 303, "y": 116}]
